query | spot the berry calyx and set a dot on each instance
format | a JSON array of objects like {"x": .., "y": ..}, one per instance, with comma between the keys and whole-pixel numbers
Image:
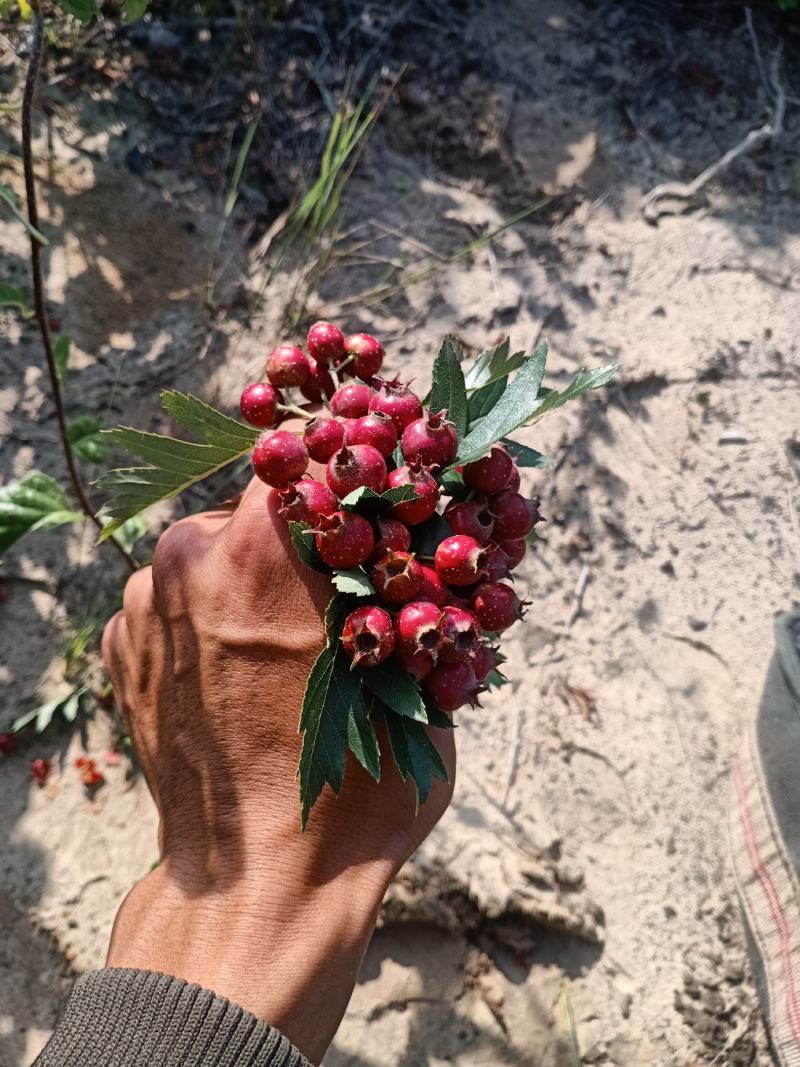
[
  {"x": 367, "y": 353},
  {"x": 471, "y": 517},
  {"x": 325, "y": 342},
  {"x": 452, "y": 685},
  {"x": 514, "y": 515},
  {"x": 460, "y": 560},
  {"x": 353, "y": 467},
  {"x": 306, "y": 501},
  {"x": 432, "y": 588},
  {"x": 8, "y": 744},
  {"x": 258, "y": 404},
  {"x": 368, "y": 636},
  {"x": 351, "y": 401},
  {"x": 319, "y": 383},
  {"x": 423, "y": 506},
  {"x": 497, "y": 606},
  {"x": 377, "y": 430},
  {"x": 279, "y": 458},
  {"x": 431, "y": 440},
  {"x": 397, "y": 577},
  {"x": 398, "y": 402},
  {"x": 393, "y": 536},
  {"x": 344, "y": 540},
  {"x": 486, "y": 659},
  {"x": 461, "y": 635},
  {"x": 489, "y": 474},
  {"x": 287, "y": 366},
  {"x": 418, "y": 629},
  {"x": 515, "y": 550},
  {"x": 322, "y": 437}
]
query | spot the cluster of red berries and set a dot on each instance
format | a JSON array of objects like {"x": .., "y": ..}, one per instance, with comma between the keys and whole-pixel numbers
[{"x": 436, "y": 610}]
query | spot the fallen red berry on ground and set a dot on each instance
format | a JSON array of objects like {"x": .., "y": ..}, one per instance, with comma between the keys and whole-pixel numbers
[
  {"x": 344, "y": 540},
  {"x": 460, "y": 560},
  {"x": 325, "y": 342},
  {"x": 287, "y": 366},
  {"x": 8, "y": 744},
  {"x": 368, "y": 636},
  {"x": 397, "y": 577},
  {"x": 258, "y": 404},
  {"x": 279, "y": 458},
  {"x": 40, "y": 771}
]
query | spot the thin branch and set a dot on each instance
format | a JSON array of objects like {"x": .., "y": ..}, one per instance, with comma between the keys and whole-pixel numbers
[{"x": 39, "y": 298}]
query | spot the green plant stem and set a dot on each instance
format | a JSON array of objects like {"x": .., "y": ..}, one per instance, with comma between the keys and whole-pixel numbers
[{"x": 39, "y": 299}]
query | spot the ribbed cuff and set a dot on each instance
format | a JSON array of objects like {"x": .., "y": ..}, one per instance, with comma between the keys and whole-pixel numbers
[{"x": 126, "y": 1018}]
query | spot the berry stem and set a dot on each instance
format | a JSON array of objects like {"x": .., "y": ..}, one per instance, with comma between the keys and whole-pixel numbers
[
  {"x": 294, "y": 409},
  {"x": 39, "y": 298}
]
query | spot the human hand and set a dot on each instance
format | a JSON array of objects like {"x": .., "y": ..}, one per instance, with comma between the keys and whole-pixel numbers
[{"x": 209, "y": 660}]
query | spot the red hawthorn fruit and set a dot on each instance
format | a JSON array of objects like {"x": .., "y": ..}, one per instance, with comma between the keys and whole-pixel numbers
[
  {"x": 515, "y": 550},
  {"x": 486, "y": 660},
  {"x": 258, "y": 404},
  {"x": 423, "y": 506},
  {"x": 397, "y": 577},
  {"x": 319, "y": 383},
  {"x": 367, "y": 353},
  {"x": 418, "y": 664},
  {"x": 451, "y": 685},
  {"x": 498, "y": 562},
  {"x": 418, "y": 627},
  {"x": 430, "y": 440},
  {"x": 351, "y": 401},
  {"x": 287, "y": 366},
  {"x": 351, "y": 468},
  {"x": 514, "y": 515},
  {"x": 432, "y": 588},
  {"x": 497, "y": 606},
  {"x": 368, "y": 636},
  {"x": 374, "y": 429},
  {"x": 325, "y": 342},
  {"x": 344, "y": 540},
  {"x": 460, "y": 560},
  {"x": 393, "y": 535},
  {"x": 461, "y": 635},
  {"x": 398, "y": 402},
  {"x": 489, "y": 474},
  {"x": 472, "y": 518},
  {"x": 306, "y": 501},
  {"x": 322, "y": 437},
  {"x": 279, "y": 457}
]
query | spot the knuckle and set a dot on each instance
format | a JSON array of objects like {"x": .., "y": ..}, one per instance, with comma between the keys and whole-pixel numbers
[
  {"x": 138, "y": 593},
  {"x": 110, "y": 641}
]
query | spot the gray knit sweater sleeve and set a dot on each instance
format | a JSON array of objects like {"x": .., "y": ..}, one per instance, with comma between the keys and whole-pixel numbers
[{"x": 126, "y": 1018}]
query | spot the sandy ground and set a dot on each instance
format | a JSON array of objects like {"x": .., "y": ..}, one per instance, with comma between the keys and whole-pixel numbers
[{"x": 584, "y": 858}]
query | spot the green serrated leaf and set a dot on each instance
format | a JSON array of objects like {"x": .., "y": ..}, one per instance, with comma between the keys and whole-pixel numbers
[
  {"x": 415, "y": 754},
  {"x": 339, "y": 607},
  {"x": 41, "y": 717},
  {"x": 495, "y": 680},
  {"x": 10, "y": 199},
  {"x": 438, "y": 718},
  {"x": 85, "y": 10},
  {"x": 11, "y": 296},
  {"x": 85, "y": 435},
  {"x": 61, "y": 353},
  {"x": 332, "y": 695},
  {"x": 448, "y": 390},
  {"x": 396, "y": 689},
  {"x": 524, "y": 456},
  {"x": 583, "y": 381},
  {"x": 367, "y": 502},
  {"x": 37, "y": 502},
  {"x": 132, "y": 531},
  {"x": 492, "y": 364},
  {"x": 363, "y": 742},
  {"x": 483, "y": 400},
  {"x": 514, "y": 408},
  {"x": 134, "y": 9},
  {"x": 354, "y": 582},
  {"x": 175, "y": 464},
  {"x": 304, "y": 543}
]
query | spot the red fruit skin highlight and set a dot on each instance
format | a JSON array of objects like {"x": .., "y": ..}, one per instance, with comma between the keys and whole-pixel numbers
[
  {"x": 368, "y": 636},
  {"x": 451, "y": 685},
  {"x": 459, "y": 560},
  {"x": 319, "y": 385},
  {"x": 287, "y": 366},
  {"x": 374, "y": 429},
  {"x": 344, "y": 540},
  {"x": 397, "y": 577},
  {"x": 418, "y": 629},
  {"x": 415, "y": 511},
  {"x": 432, "y": 588},
  {"x": 489, "y": 474},
  {"x": 398, "y": 402},
  {"x": 472, "y": 518},
  {"x": 368, "y": 355},
  {"x": 392, "y": 536},
  {"x": 461, "y": 635},
  {"x": 430, "y": 440},
  {"x": 323, "y": 437},
  {"x": 351, "y": 401},
  {"x": 325, "y": 342},
  {"x": 306, "y": 501},
  {"x": 353, "y": 467},
  {"x": 279, "y": 458},
  {"x": 497, "y": 606},
  {"x": 514, "y": 515},
  {"x": 258, "y": 404}
]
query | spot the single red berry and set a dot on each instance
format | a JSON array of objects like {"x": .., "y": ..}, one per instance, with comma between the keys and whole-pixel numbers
[
  {"x": 259, "y": 404},
  {"x": 424, "y": 505},
  {"x": 368, "y": 636},
  {"x": 393, "y": 536},
  {"x": 325, "y": 342},
  {"x": 497, "y": 606},
  {"x": 306, "y": 501},
  {"x": 514, "y": 481},
  {"x": 353, "y": 467},
  {"x": 514, "y": 515},
  {"x": 432, "y": 588},
  {"x": 472, "y": 518},
  {"x": 90, "y": 776},
  {"x": 398, "y": 402},
  {"x": 351, "y": 401},
  {"x": 319, "y": 383},
  {"x": 397, "y": 577},
  {"x": 452, "y": 685},
  {"x": 40, "y": 771},
  {"x": 287, "y": 366},
  {"x": 377, "y": 430},
  {"x": 515, "y": 550},
  {"x": 419, "y": 629},
  {"x": 486, "y": 659},
  {"x": 489, "y": 474},
  {"x": 461, "y": 635},
  {"x": 418, "y": 664},
  {"x": 460, "y": 560},
  {"x": 344, "y": 540},
  {"x": 367, "y": 353},
  {"x": 279, "y": 458},
  {"x": 8, "y": 744},
  {"x": 323, "y": 437},
  {"x": 431, "y": 440},
  {"x": 498, "y": 562}
]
